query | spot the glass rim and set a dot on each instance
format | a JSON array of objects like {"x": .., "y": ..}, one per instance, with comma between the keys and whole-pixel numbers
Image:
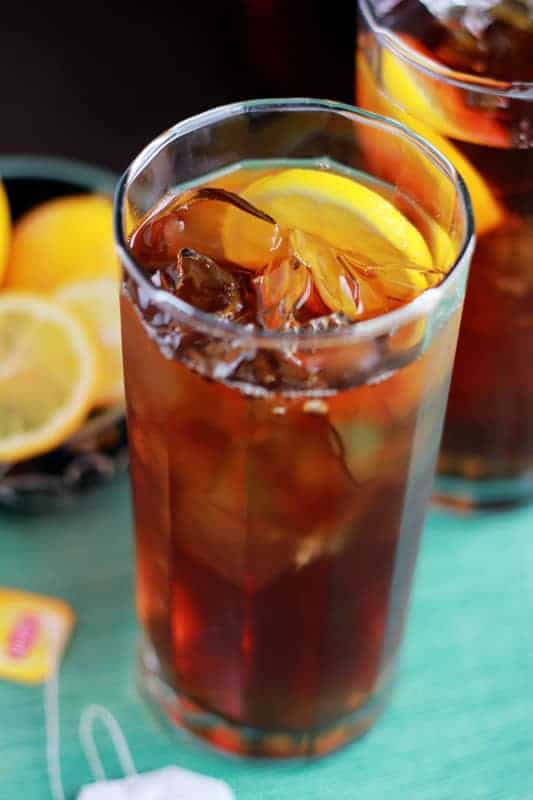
[
  {"x": 516, "y": 90},
  {"x": 422, "y": 305}
]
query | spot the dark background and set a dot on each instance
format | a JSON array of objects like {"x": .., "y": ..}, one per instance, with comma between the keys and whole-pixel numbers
[{"x": 97, "y": 87}]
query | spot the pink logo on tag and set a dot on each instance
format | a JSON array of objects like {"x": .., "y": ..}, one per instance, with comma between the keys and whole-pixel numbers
[{"x": 23, "y": 636}]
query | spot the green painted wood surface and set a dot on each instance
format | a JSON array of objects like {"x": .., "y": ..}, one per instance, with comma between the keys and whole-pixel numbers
[{"x": 460, "y": 724}]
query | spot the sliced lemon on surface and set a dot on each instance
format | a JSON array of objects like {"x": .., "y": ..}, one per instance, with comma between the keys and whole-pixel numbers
[
  {"x": 97, "y": 303},
  {"x": 49, "y": 371},
  {"x": 402, "y": 99},
  {"x": 5, "y": 230},
  {"x": 343, "y": 212},
  {"x": 65, "y": 239}
]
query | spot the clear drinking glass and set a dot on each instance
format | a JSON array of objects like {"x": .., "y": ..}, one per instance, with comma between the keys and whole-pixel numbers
[
  {"x": 278, "y": 509},
  {"x": 483, "y": 125}
]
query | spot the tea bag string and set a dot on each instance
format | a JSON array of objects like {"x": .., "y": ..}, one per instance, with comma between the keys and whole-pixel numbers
[
  {"x": 52, "y": 733},
  {"x": 89, "y": 715}
]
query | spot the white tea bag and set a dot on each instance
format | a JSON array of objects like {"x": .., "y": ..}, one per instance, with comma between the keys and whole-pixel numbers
[{"x": 168, "y": 783}]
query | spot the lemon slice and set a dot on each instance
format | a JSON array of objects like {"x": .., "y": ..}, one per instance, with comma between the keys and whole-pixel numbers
[
  {"x": 65, "y": 239},
  {"x": 343, "y": 212},
  {"x": 49, "y": 370},
  {"x": 440, "y": 104},
  {"x": 415, "y": 96},
  {"x": 441, "y": 244},
  {"x": 419, "y": 106},
  {"x": 97, "y": 303},
  {"x": 4, "y": 230},
  {"x": 405, "y": 100}
]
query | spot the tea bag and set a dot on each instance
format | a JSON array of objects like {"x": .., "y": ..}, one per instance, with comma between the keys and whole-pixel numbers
[{"x": 169, "y": 783}]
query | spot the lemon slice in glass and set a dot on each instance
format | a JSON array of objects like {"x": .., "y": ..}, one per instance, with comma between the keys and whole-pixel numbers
[
  {"x": 404, "y": 99},
  {"x": 343, "y": 212},
  {"x": 365, "y": 256}
]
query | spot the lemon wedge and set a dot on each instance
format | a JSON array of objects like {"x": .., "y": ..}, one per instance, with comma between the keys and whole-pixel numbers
[
  {"x": 49, "y": 370},
  {"x": 97, "y": 303},
  {"x": 63, "y": 240},
  {"x": 343, "y": 212}
]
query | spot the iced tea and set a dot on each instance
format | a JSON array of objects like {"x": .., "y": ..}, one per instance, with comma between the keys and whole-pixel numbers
[
  {"x": 461, "y": 74},
  {"x": 284, "y": 415}
]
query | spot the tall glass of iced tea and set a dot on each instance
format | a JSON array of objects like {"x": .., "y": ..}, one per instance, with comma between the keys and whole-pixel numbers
[
  {"x": 461, "y": 75},
  {"x": 290, "y": 311}
]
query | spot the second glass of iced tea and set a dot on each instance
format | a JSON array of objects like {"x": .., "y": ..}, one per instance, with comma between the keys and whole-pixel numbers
[
  {"x": 289, "y": 320},
  {"x": 461, "y": 75}
]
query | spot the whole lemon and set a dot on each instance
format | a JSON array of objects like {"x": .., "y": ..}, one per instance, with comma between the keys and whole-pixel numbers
[{"x": 63, "y": 240}]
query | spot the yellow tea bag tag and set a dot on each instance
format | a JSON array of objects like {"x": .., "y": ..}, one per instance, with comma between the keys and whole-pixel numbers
[{"x": 33, "y": 632}]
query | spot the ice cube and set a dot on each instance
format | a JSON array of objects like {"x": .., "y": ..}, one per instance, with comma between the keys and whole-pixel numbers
[
  {"x": 394, "y": 282},
  {"x": 351, "y": 286},
  {"x": 446, "y": 9},
  {"x": 287, "y": 460},
  {"x": 204, "y": 284},
  {"x": 274, "y": 370},
  {"x": 327, "y": 322},
  {"x": 283, "y": 289},
  {"x": 486, "y": 37},
  {"x": 196, "y": 219},
  {"x": 247, "y": 236},
  {"x": 475, "y": 16}
]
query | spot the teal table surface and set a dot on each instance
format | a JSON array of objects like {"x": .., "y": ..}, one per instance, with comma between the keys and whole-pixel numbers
[{"x": 460, "y": 722}]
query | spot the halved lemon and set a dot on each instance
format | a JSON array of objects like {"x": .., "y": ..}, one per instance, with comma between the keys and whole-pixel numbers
[
  {"x": 5, "y": 230},
  {"x": 97, "y": 303},
  {"x": 65, "y": 239},
  {"x": 49, "y": 370},
  {"x": 342, "y": 211}
]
